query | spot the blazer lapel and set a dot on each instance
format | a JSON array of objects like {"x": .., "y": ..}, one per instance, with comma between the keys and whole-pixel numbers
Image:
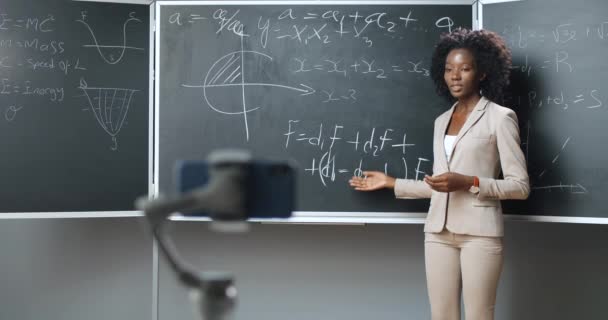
[{"x": 479, "y": 110}]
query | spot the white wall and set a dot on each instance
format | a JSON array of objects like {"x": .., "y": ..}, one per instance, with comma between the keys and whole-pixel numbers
[{"x": 314, "y": 272}]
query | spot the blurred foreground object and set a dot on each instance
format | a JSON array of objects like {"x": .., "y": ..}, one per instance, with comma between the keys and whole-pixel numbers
[{"x": 229, "y": 187}]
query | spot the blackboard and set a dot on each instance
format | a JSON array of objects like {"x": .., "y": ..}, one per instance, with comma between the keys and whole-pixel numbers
[
  {"x": 560, "y": 94},
  {"x": 74, "y": 105},
  {"x": 333, "y": 88}
]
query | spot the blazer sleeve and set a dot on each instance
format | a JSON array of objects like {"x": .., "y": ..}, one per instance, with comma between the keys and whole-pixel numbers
[
  {"x": 415, "y": 189},
  {"x": 412, "y": 189},
  {"x": 516, "y": 184}
]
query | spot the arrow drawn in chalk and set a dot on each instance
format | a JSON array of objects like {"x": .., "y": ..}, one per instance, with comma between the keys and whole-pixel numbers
[{"x": 229, "y": 72}]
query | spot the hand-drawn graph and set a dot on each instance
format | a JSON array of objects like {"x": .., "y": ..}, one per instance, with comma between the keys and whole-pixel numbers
[
  {"x": 110, "y": 107},
  {"x": 229, "y": 71},
  {"x": 111, "y": 54}
]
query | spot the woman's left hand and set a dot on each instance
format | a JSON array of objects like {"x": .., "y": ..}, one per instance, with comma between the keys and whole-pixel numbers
[{"x": 449, "y": 181}]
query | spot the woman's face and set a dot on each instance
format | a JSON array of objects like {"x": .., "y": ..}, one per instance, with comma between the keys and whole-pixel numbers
[{"x": 461, "y": 74}]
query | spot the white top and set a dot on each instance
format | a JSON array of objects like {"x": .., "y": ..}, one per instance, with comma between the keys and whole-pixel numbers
[{"x": 448, "y": 143}]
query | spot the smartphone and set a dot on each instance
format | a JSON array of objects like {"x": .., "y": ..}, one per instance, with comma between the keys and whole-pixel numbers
[{"x": 270, "y": 189}]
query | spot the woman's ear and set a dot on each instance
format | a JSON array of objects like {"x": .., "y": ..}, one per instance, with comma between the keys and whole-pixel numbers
[{"x": 483, "y": 77}]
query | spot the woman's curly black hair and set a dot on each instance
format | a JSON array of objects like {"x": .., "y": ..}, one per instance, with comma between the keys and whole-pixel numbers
[{"x": 491, "y": 56}]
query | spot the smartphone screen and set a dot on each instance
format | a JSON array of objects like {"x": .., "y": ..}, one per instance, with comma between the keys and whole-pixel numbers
[{"x": 270, "y": 186}]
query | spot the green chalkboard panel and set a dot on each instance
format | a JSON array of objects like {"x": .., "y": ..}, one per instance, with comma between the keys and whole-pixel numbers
[
  {"x": 559, "y": 91},
  {"x": 333, "y": 88},
  {"x": 74, "y": 105}
]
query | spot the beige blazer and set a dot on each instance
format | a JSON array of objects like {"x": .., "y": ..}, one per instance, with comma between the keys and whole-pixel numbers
[{"x": 487, "y": 143}]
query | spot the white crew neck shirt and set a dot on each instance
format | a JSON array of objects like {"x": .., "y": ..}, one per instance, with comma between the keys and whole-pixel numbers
[{"x": 448, "y": 144}]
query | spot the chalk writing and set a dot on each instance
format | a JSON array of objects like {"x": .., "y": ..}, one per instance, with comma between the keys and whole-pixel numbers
[
  {"x": 571, "y": 188},
  {"x": 297, "y": 25},
  {"x": 27, "y": 88},
  {"x": 34, "y": 44},
  {"x": 373, "y": 141},
  {"x": 229, "y": 23},
  {"x": 29, "y": 24},
  {"x": 587, "y": 99},
  {"x": 519, "y": 36},
  {"x": 363, "y": 66},
  {"x": 11, "y": 112}
]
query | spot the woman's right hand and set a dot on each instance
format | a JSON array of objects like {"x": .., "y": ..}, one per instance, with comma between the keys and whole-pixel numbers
[{"x": 372, "y": 180}]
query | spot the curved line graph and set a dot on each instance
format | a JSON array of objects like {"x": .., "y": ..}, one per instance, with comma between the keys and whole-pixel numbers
[
  {"x": 123, "y": 47},
  {"x": 110, "y": 107},
  {"x": 229, "y": 71}
]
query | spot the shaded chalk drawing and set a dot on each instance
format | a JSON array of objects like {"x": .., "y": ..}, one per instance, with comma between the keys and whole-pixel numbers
[
  {"x": 108, "y": 52},
  {"x": 229, "y": 71},
  {"x": 110, "y": 107}
]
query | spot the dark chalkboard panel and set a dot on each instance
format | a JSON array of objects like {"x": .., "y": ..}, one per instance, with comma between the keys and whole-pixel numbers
[
  {"x": 333, "y": 88},
  {"x": 559, "y": 90},
  {"x": 73, "y": 105}
]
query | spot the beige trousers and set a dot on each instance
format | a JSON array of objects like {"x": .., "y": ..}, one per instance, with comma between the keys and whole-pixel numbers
[{"x": 458, "y": 263}]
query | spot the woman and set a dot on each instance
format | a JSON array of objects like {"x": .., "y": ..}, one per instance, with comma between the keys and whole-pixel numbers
[{"x": 474, "y": 141}]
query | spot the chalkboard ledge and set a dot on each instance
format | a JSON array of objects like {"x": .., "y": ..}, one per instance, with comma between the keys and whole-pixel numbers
[
  {"x": 79, "y": 214},
  {"x": 362, "y": 218},
  {"x": 306, "y": 217}
]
